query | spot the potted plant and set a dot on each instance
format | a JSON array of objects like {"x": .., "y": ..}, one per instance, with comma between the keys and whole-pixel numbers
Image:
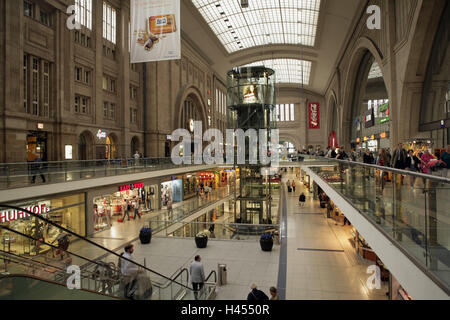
[
  {"x": 266, "y": 242},
  {"x": 201, "y": 239},
  {"x": 145, "y": 235}
]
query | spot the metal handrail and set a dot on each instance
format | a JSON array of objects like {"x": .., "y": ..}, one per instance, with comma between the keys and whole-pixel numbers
[
  {"x": 83, "y": 238},
  {"x": 374, "y": 166}
]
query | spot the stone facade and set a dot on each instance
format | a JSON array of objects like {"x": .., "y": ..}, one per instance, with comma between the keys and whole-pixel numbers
[
  {"x": 402, "y": 49},
  {"x": 161, "y": 87}
]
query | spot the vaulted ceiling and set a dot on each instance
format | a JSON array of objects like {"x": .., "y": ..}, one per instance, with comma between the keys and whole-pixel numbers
[{"x": 301, "y": 39}]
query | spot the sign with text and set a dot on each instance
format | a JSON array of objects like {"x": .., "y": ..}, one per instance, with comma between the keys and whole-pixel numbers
[
  {"x": 155, "y": 30},
  {"x": 131, "y": 186},
  {"x": 314, "y": 115},
  {"x": 13, "y": 214}
]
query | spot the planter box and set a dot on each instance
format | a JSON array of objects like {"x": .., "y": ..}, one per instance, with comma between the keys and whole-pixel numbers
[
  {"x": 266, "y": 245},
  {"x": 201, "y": 242}
]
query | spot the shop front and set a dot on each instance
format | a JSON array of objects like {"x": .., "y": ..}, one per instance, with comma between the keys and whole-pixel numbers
[
  {"x": 67, "y": 211},
  {"x": 111, "y": 208},
  {"x": 190, "y": 183},
  {"x": 210, "y": 179},
  {"x": 172, "y": 191},
  {"x": 226, "y": 177}
]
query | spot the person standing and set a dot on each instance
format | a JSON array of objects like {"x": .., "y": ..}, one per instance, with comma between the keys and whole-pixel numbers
[
  {"x": 425, "y": 159},
  {"x": 293, "y": 185},
  {"x": 127, "y": 211},
  {"x": 136, "y": 157},
  {"x": 36, "y": 169},
  {"x": 170, "y": 209},
  {"x": 129, "y": 272},
  {"x": 256, "y": 295},
  {"x": 136, "y": 209},
  {"x": 302, "y": 200},
  {"x": 342, "y": 155},
  {"x": 399, "y": 158},
  {"x": 274, "y": 294},
  {"x": 412, "y": 164},
  {"x": 446, "y": 158},
  {"x": 368, "y": 158},
  {"x": 197, "y": 275}
]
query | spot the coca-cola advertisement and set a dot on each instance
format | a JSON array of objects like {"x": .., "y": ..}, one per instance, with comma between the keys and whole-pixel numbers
[{"x": 314, "y": 115}]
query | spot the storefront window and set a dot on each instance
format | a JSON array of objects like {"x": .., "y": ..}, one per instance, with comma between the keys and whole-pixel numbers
[
  {"x": 171, "y": 191},
  {"x": 66, "y": 211},
  {"x": 110, "y": 209}
]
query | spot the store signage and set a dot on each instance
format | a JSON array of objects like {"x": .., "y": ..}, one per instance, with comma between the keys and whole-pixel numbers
[
  {"x": 132, "y": 186},
  {"x": 369, "y": 118},
  {"x": 68, "y": 152},
  {"x": 384, "y": 120},
  {"x": 40, "y": 126},
  {"x": 383, "y": 135},
  {"x": 12, "y": 214},
  {"x": 101, "y": 134},
  {"x": 314, "y": 115},
  {"x": 383, "y": 108}
]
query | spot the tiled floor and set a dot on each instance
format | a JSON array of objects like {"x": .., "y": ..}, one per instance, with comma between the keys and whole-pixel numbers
[
  {"x": 315, "y": 274},
  {"x": 246, "y": 262}
]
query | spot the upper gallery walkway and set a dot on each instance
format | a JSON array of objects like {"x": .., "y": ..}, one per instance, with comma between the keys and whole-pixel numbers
[
  {"x": 404, "y": 216},
  {"x": 36, "y": 179}
]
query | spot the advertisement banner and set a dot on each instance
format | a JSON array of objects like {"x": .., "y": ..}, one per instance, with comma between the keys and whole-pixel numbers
[
  {"x": 314, "y": 115},
  {"x": 155, "y": 30}
]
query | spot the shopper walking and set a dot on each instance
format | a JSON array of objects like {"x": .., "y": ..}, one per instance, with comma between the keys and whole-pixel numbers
[
  {"x": 36, "y": 168},
  {"x": 293, "y": 185},
  {"x": 368, "y": 157},
  {"x": 302, "y": 200},
  {"x": 256, "y": 295},
  {"x": 274, "y": 294},
  {"x": 425, "y": 159},
  {"x": 197, "y": 275},
  {"x": 399, "y": 157},
  {"x": 136, "y": 210},
  {"x": 170, "y": 209},
  {"x": 342, "y": 155},
  {"x": 127, "y": 211},
  {"x": 412, "y": 164},
  {"x": 445, "y": 157}
]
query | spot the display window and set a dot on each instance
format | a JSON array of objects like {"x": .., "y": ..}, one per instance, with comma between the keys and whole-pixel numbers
[
  {"x": 171, "y": 191},
  {"x": 66, "y": 211},
  {"x": 113, "y": 208},
  {"x": 190, "y": 182}
]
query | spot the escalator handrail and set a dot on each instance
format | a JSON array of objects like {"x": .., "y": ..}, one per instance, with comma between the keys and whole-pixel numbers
[
  {"x": 85, "y": 239},
  {"x": 55, "y": 283},
  {"x": 213, "y": 272}
]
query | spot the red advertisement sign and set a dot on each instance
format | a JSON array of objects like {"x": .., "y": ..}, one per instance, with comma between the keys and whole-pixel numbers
[
  {"x": 314, "y": 115},
  {"x": 131, "y": 186}
]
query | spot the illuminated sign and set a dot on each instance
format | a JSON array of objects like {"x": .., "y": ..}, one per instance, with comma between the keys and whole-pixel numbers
[
  {"x": 68, "y": 152},
  {"x": 40, "y": 126},
  {"x": 12, "y": 214},
  {"x": 372, "y": 137},
  {"x": 358, "y": 140},
  {"x": 132, "y": 186},
  {"x": 314, "y": 115},
  {"x": 383, "y": 108},
  {"x": 365, "y": 139},
  {"x": 384, "y": 120},
  {"x": 101, "y": 134}
]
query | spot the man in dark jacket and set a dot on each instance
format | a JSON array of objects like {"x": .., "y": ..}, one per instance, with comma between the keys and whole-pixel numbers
[
  {"x": 256, "y": 295},
  {"x": 399, "y": 156},
  {"x": 368, "y": 157}
]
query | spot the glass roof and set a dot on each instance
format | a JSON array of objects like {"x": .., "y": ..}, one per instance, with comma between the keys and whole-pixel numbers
[
  {"x": 375, "y": 71},
  {"x": 263, "y": 22},
  {"x": 287, "y": 70}
]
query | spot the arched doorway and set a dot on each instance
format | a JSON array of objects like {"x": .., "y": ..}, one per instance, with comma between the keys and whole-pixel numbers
[
  {"x": 370, "y": 112},
  {"x": 135, "y": 146},
  {"x": 111, "y": 147},
  {"x": 85, "y": 142}
]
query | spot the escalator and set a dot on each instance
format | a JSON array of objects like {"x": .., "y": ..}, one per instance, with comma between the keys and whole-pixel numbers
[{"x": 48, "y": 269}]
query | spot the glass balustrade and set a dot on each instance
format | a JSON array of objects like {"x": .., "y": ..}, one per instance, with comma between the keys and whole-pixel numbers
[
  {"x": 17, "y": 175},
  {"x": 412, "y": 209}
]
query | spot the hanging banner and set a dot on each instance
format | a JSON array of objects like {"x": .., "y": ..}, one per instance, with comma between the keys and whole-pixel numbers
[
  {"x": 314, "y": 115},
  {"x": 155, "y": 30}
]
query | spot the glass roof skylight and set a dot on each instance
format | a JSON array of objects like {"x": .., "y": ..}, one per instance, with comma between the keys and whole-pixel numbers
[
  {"x": 375, "y": 71},
  {"x": 287, "y": 70},
  {"x": 263, "y": 22}
]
